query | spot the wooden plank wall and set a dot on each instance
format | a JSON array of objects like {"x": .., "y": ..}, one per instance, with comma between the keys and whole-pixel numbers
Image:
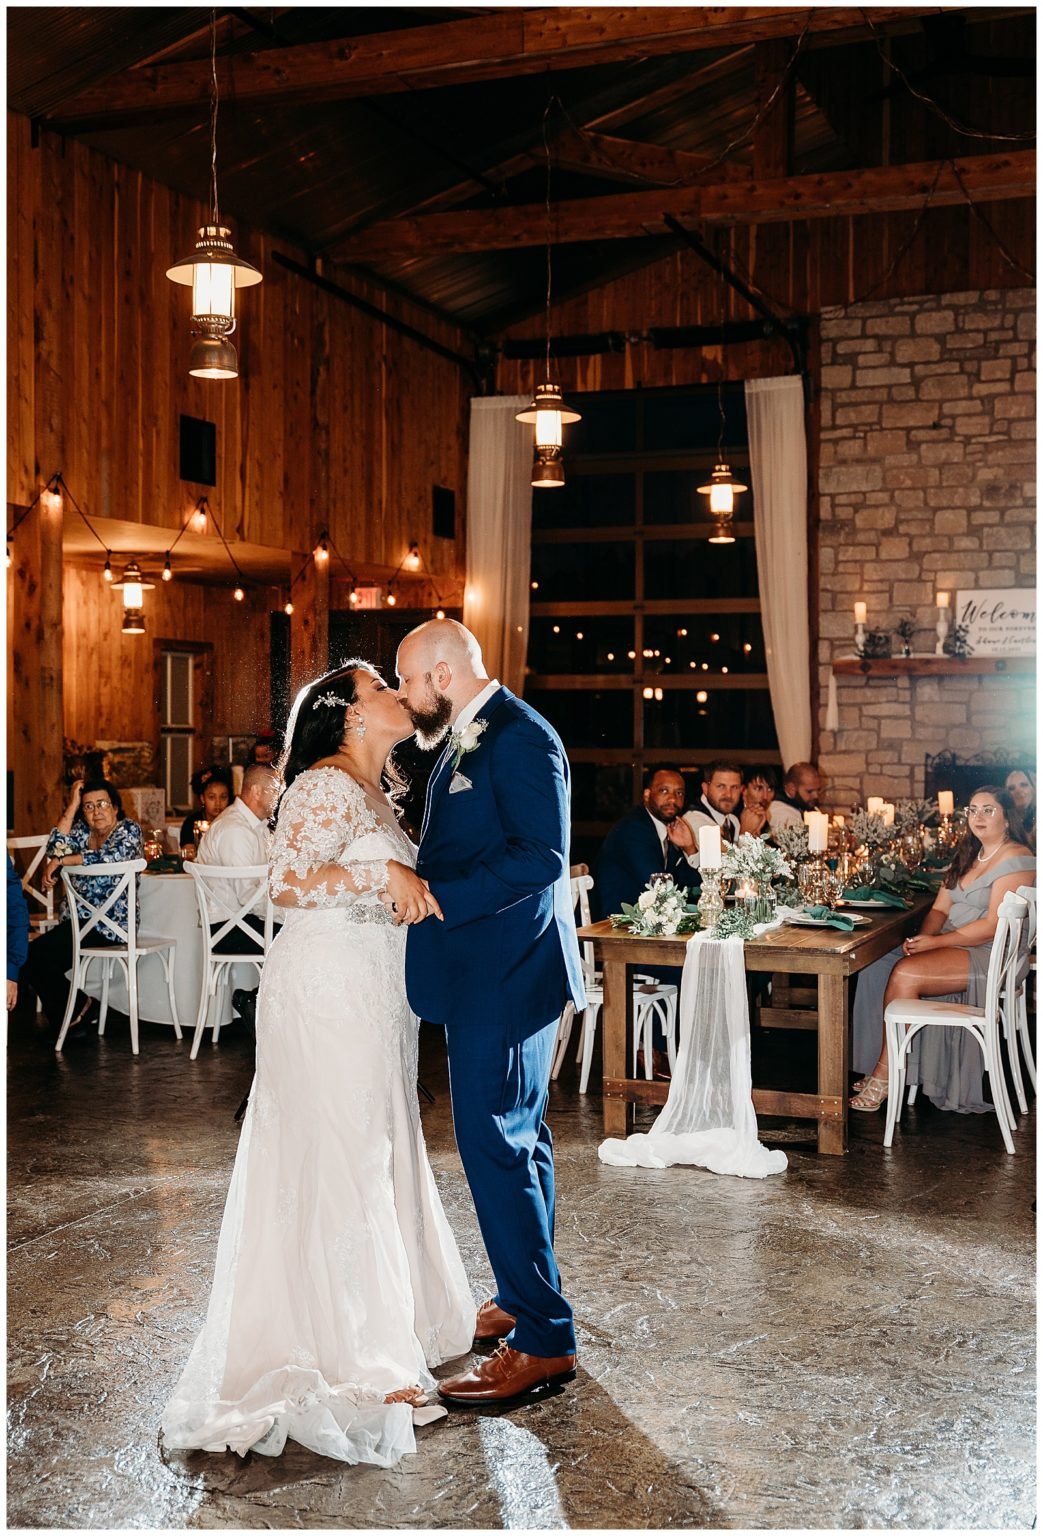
[
  {"x": 801, "y": 268},
  {"x": 336, "y": 420}
]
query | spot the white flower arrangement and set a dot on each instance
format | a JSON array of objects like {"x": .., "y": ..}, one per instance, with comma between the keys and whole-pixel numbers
[
  {"x": 911, "y": 815},
  {"x": 662, "y": 910},
  {"x": 792, "y": 839},
  {"x": 467, "y": 739},
  {"x": 754, "y": 859}
]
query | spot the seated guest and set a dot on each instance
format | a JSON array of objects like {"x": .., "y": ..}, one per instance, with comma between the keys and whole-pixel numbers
[
  {"x": 801, "y": 788},
  {"x": 213, "y": 788},
  {"x": 17, "y": 932},
  {"x": 94, "y": 827},
  {"x": 238, "y": 838},
  {"x": 265, "y": 749},
  {"x": 1020, "y": 784},
  {"x": 722, "y": 792},
  {"x": 948, "y": 958},
  {"x": 652, "y": 839},
  {"x": 761, "y": 811}
]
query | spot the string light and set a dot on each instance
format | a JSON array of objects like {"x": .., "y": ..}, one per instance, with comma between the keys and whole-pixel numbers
[
  {"x": 391, "y": 599},
  {"x": 321, "y": 552},
  {"x": 440, "y": 613},
  {"x": 199, "y": 515},
  {"x": 168, "y": 574},
  {"x": 412, "y": 560},
  {"x": 106, "y": 574},
  {"x": 287, "y": 607},
  {"x": 238, "y": 595}
]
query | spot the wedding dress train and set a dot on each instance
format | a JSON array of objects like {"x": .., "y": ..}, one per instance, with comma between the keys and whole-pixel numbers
[{"x": 337, "y": 1278}]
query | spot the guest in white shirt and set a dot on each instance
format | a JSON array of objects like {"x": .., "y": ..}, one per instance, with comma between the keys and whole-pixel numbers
[
  {"x": 239, "y": 838},
  {"x": 722, "y": 792}
]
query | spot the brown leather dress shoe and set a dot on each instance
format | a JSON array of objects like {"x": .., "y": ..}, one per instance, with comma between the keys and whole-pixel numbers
[
  {"x": 491, "y": 1324},
  {"x": 505, "y": 1377}
]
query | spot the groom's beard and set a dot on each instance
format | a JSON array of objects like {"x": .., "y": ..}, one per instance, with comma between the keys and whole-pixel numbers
[{"x": 431, "y": 723}]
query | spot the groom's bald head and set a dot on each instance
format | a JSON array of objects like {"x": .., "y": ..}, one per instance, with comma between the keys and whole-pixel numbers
[{"x": 440, "y": 669}]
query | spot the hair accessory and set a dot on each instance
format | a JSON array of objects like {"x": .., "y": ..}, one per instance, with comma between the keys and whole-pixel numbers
[{"x": 329, "y": 698}]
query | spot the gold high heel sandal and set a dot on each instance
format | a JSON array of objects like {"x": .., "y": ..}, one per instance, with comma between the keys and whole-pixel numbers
[{"x": 872, "y": 1095}]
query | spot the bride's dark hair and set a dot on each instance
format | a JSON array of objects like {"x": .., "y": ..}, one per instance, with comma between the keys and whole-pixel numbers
[{"x": 316, "y": 726}]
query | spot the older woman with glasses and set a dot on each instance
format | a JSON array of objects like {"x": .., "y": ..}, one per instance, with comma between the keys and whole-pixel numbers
[
  {"x": 948, "y": 958},
  {"x": 91, "y": 830}
]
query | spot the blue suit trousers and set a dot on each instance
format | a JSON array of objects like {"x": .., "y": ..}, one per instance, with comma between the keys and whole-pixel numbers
[{"x": 500, "y": 1088}]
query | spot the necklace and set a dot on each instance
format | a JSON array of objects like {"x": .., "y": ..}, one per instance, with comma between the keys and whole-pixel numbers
[{"x": 992, "y": 855}]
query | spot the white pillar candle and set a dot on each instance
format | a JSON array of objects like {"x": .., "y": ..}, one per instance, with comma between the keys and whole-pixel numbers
[
  {"x": 941, "y": 599},
  {"x": 818, "y": 832},
  {"x": 839, "y": 822},
  {"x": 874, "y": 805},
  {"x": 946, "y": 802},
  {"x": 709, "y": 847},
  {"x": 861, "y": 610},
  {"x": 887, "y": 811}
]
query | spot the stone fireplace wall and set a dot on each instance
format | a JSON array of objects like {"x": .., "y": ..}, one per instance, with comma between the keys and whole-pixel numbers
[{"x": 926, "y": 481}]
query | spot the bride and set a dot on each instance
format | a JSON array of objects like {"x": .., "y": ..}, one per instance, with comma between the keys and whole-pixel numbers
[{"x": 338, "y": 1284}]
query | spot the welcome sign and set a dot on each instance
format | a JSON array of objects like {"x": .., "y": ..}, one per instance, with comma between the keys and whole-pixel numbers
[{"x": 999, "y": 623}]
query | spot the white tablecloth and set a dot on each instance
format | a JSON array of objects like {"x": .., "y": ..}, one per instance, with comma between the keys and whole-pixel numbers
[{"x": 167, "y": 909}]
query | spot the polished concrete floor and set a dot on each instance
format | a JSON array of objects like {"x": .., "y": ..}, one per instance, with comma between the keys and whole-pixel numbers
[{"x": 849, "y": 1344}]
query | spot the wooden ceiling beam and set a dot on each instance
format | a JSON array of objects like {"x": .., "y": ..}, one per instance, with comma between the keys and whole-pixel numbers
[
  {"x": 485, "y": 47},
  {"x": 601, "y": 154},
  {"x": 833, "y": 194}
]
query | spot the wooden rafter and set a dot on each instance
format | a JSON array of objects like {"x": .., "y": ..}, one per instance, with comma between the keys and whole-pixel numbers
[
  {"x": 602, "y": 154},
  {"x": 833, "y": 194},
  {"x": 486, "y": 47}
]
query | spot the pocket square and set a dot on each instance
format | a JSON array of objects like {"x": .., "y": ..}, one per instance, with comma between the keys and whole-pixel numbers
[{"x": 458, "y": 782}]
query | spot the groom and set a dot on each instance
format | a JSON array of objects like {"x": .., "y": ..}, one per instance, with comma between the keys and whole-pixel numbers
[{"x": 497, "y": 973}]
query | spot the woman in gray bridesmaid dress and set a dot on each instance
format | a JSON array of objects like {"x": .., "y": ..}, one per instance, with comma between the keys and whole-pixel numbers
[{"x": 947, "y": 960}]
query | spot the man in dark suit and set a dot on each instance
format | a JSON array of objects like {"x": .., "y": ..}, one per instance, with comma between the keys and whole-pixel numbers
[
  {"x": 652, "y": 839},
  {"x": 497, "y": 972}
]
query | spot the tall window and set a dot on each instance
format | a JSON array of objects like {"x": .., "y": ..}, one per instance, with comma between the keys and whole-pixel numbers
[
  {"x": 176, "y": 726},
  {"x": 645, "y": 640}
]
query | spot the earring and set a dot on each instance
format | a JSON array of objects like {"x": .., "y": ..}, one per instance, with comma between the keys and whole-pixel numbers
[{"x": 360, "y": 729}]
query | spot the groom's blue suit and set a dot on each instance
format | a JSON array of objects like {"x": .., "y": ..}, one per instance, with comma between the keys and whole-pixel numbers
[{"x": 497, "y": 973}]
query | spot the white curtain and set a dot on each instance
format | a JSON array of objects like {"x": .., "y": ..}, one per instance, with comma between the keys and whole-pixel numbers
[
  {"x": 779, "y": 467},
  {"x": 708, "y": 1118},
  {"x": 499, "y": 522}
]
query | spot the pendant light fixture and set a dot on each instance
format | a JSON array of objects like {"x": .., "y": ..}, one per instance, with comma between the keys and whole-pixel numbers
[
  {"x": 133, "y": 585},
  {"x": 547, "y": 412},
  {"x": 722, "y": 487},
  {"x": 213, "y": 271}
]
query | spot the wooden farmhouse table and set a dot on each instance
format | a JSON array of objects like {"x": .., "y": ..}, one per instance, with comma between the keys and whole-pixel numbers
[{"x": 827, "y": 954}]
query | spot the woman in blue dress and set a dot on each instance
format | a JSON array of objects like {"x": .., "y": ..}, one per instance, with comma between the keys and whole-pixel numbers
[{"x": 948, "y": 958}]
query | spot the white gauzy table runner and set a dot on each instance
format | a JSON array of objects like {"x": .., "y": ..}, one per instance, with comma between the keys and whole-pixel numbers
[{"x": 708, "y": 1117}]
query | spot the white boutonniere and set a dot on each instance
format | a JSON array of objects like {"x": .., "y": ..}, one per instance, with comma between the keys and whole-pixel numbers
[{"x": 467, "y": 739}]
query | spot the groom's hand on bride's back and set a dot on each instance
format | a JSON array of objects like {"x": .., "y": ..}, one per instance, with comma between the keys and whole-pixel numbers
[{"x": 408, "y": 898}]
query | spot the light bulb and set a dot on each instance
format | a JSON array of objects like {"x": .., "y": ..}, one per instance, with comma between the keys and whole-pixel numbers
[
  {"x": 659, "y": 695},
  {"x": 548, "y": 429},
  {"x": 412, "y": 560},
  {"x": 722, "y": 499},
  {"x": 702, "y": 696},
  {"x": 321, "y": 551},
  {"x": 238, "y": 594},
  {"x": 287, "y": 608},
  {"x": 199, "y": 520},
  {"x": 646, "y": 693},
  {"x": 353, "y": 598},
  {"x": 107, "y": 572},
  {"x": 534, "y": 585},
  {"x": 440, "y": 614},
  {"x": 133, "y": 596},
  {"x": 391, "y": 599},
  {"x": 168, "y": 574}
]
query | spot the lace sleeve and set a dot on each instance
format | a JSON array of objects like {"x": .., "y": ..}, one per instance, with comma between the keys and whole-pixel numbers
[{"x": 322, "y": 814}]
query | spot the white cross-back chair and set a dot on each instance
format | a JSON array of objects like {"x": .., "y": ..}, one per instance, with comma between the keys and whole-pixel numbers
[
  {"x": 219, "y": 888},
  {"x": 40, "y": 902},
  {"x": 652, "y": 999},
  {"x": 1014, "y": 1001},
  {"x": 126, "y": 949},
  {"x": 905, "y": 1017}
]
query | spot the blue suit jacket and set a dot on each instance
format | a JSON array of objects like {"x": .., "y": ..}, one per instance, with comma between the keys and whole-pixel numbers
[
  {"x": 497, "y": 858},
  {"x": 630, "y": 854}
]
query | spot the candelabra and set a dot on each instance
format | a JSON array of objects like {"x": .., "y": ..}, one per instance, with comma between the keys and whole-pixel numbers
[
  {"x": 711, "y": 902},
  {"x": 941, "y": 629}
]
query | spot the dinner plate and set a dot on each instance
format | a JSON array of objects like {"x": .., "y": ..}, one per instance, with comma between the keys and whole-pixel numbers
[
  {"x": 876, "y": 905},
  {"x": 804, "y": 921}
]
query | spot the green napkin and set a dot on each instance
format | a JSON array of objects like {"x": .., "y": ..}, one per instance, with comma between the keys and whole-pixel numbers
[
  {"x": 871, "y": 893},
  {"x": 834, "y": 919}
]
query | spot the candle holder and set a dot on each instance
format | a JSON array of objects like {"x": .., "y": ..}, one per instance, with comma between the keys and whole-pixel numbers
[
  {"x": 811, "y": 880},
  {"x": 711, "y": 902},
  {"x": 941, "y": 629},
  {"x": 860, "y": 638}
]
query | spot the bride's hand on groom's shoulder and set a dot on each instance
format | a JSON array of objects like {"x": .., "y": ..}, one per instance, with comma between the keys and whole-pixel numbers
[{"x": 408, "y": 898}]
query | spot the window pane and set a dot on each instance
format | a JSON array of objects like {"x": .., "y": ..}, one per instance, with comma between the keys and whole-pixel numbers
[
  {"x": 672, "y": 495},
  {"x": 581, "y": 645},
  {"x": 579, "y": 572},
  {"x": 601, "y": 791},
  {"x": 177, "y": 753},
  {"x": 693, "y": 420},
  {"x": 176, "y": 701},
  {"x": 586, "y": 501},
  {"x": 702, "y": 643},
  {"x": 728, "y": 718},
  {"x": 587, "y": 719},
  {"x": 609, "y": 425},
  {"x": 680, "y": 568}
]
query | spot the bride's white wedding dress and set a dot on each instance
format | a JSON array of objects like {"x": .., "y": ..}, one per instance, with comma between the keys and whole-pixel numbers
[{"x": 337, "y": 1278}]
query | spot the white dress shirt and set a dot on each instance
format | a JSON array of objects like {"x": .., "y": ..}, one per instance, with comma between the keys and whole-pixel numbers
[
  {"x": 705, "y": 815},
  {"x": 237, "y": 838},
  {"x": 479, "y": 702},
  {"x": 782, "y": 815},
  {"x": 661, "y": 829}
]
